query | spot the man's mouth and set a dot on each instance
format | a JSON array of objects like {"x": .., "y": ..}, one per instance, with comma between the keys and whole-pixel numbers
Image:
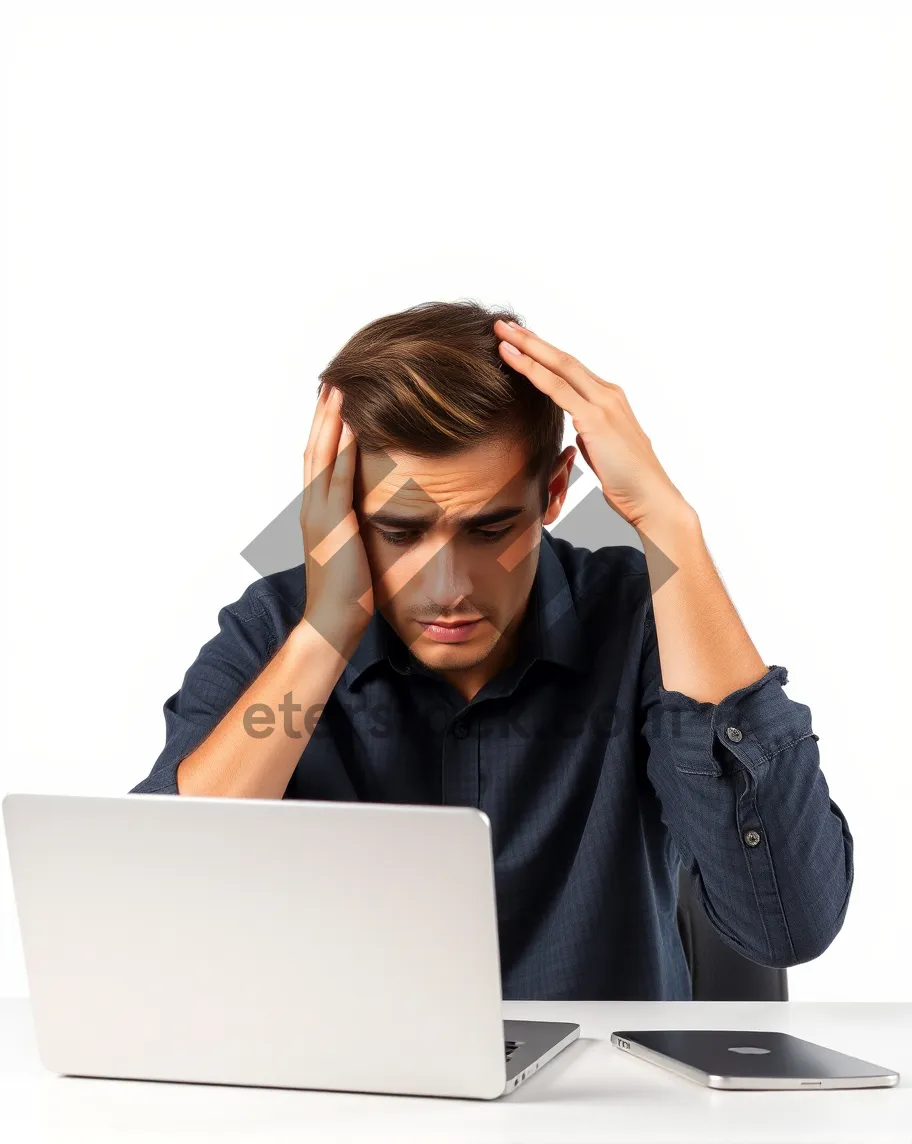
[
  {"x": 450, "y": 631},
  {"x": 451, "y": 623}
]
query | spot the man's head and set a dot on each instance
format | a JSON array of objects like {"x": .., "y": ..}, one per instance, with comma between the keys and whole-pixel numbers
[{"x": 448, "y": 432}]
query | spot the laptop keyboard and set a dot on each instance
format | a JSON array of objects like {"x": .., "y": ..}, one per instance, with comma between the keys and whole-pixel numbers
[{"x": 511, "y": 1047}]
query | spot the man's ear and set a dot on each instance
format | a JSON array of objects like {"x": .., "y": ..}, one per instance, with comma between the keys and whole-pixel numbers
[{"x": 559, "y": 484}]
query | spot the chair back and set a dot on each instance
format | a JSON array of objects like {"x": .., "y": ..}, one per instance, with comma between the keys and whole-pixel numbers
[{"x": 718, "y": 972}]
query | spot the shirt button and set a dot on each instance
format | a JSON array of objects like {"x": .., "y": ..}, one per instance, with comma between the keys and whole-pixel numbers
[
  {"x": 460, "y": 730},
  {"x": 752, "y": 838},
  {"x": 734, "y": 734}
]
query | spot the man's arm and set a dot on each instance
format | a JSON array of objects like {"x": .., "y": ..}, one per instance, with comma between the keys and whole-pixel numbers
[
  {"x": 252, "y": 752},
  {"x": 214, "y": 725},
  {"x": 733, "y": 759},
  {"x": 705, "y": 650},
  {"x": 736, "y": 765},
  {"x": 224, "y": 734}
]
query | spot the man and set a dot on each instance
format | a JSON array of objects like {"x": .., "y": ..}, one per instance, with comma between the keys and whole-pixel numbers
[{"x": 605, "y": 708}]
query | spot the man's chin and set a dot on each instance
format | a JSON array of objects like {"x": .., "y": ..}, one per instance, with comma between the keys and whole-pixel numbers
[{"x": 439, "y": 656}]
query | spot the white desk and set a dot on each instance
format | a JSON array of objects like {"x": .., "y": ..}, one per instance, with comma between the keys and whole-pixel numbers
[{"x": 590, "y": 1092}]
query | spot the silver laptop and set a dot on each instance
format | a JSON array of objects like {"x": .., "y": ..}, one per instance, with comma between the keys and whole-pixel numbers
[
  {"x": 327, "y": 945},
  {"x": 751, "y": 1059}
]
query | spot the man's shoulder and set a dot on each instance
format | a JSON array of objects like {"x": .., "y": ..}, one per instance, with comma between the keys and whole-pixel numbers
[
  {"x": 591, "y": 570},
  {"x": 276, "y": 600},
  {"x": 609, "y": 587}
]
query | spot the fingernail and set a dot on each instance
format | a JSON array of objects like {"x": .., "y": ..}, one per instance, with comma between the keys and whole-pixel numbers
[{"x": 511, "y": 349}]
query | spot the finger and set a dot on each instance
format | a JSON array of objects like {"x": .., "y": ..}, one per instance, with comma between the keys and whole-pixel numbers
[
  {"x": 535, "y": 348},
  {"x": 327, "y": 444},
  {"x": 314, "y": 433},
  {"x": 319, "y": 417},
  {"x": 594, "y": 376},
  {"x": 575, "y": 372},
  {"x": 584, "y": 451},
  {"x": 343, "y": 474},
  {"x": 561, "y": 364},
  {"x": 345, "y": 519},
  {"x": 560, "y": 390}
]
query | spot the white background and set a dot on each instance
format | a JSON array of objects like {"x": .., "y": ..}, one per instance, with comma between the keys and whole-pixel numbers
[{"x": 706, "y": 203}]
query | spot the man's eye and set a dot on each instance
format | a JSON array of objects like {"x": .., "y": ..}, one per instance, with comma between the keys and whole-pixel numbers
[
  {"x": 406, "y": 536},
  {"x": 497, "y": 534},
  {"x": 394, "y": 537}
]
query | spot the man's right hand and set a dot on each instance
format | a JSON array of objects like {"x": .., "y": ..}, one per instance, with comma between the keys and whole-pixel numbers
[{"x": 339, "y": 590}]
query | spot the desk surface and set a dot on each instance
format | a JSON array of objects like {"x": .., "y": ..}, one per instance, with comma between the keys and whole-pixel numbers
[{"x": 591, "y": 1092}]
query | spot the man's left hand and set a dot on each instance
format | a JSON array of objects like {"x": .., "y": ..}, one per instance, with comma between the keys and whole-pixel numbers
[{"x": 608, "y": 435}]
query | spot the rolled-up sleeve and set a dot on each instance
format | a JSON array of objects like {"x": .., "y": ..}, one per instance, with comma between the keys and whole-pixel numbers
[
  {"x": 768, "y": 852},
  {"x": 221, "y": 672}
]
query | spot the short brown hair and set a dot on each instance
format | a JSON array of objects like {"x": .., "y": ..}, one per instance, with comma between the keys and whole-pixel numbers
[{"x": 430, "y": 380}]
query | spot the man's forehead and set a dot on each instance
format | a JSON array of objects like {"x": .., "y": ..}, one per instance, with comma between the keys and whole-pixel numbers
[
  {"x": 449, "y": 486},
  {"x": 400, "y": 510}
]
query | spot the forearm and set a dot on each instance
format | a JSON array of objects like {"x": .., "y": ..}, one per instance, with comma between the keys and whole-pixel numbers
[
  {"x": 735, "y": 763},
  {"x": 704, "y": 649},
  {"x": 754, "y": 816},
  {"x": 242, "y": 757}
]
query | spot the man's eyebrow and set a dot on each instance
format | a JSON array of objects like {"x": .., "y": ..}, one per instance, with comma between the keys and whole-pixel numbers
[{"x": 391, "y": 519}]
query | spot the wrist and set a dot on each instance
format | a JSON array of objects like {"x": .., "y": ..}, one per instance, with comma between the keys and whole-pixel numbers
[
  {"x": 671, "y": 519},
  {"x": 341, "y": 629}
]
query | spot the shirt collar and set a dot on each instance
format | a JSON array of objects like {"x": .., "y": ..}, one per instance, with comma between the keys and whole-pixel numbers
[{"x": 550, "y": 630}]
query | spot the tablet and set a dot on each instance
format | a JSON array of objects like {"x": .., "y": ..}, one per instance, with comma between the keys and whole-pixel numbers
[{"x": 738, "y": 1058}]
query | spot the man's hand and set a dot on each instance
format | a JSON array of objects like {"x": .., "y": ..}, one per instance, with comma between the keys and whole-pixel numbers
[
  {"x": 609, "y": 436},
  {"x": 340, "y": 596},
  {"x": 704, "y": 649}
]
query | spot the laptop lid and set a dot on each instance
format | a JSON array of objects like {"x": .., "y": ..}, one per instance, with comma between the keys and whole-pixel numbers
[{"x": 350, "y": 946}]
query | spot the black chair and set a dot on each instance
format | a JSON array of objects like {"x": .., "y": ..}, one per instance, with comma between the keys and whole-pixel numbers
[{"x": 718, "y": 972}]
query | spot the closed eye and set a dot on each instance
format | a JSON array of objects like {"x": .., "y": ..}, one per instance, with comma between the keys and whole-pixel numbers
[{"x": 407, "y": 536}]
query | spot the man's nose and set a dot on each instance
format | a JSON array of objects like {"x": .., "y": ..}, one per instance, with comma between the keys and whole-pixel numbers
[{"x": 446, "y": 578}]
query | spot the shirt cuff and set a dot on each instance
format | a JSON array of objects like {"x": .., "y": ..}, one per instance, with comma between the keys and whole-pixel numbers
[{"x": 754, "y": 724}]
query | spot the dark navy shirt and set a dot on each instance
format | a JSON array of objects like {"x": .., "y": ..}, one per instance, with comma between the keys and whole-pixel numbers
[{"x": 597, "y": 781}]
